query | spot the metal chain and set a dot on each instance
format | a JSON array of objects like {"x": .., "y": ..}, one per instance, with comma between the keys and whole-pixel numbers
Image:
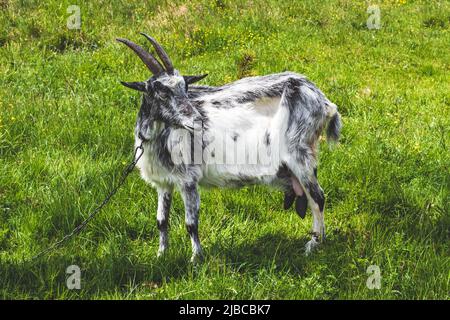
[{"x": 81, "y": 226}]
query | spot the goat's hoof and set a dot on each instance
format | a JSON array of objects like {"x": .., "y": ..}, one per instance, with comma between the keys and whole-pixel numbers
[
  {"x": 197, "y": 258},
  {"x": 161, "y": 252},
  {"x": 310, "y": 246}
]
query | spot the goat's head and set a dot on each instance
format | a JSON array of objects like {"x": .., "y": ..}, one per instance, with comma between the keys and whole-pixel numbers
[{"x": 165, "y": 100}]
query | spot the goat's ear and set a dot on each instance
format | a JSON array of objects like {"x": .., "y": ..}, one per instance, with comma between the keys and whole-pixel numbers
[
  {"x": 139, "y": 86},
  {"x": 193, "y": 79}
]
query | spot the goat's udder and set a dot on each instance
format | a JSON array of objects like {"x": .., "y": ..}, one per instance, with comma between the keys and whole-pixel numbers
[{"x": 297, "y": 186}]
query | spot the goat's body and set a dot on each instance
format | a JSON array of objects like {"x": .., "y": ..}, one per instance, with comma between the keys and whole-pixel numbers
[
  {"x": 282, "y": 115},
  {"x": 251, "y": 110},
  {"x": 255, "y": 130}
]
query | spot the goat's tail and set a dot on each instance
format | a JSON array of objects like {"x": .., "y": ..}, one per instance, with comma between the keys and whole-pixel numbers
[{"x": 334, "y": 123}]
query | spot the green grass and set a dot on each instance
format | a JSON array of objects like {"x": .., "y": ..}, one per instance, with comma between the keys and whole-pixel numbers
[{"x": 66, "y": 131}]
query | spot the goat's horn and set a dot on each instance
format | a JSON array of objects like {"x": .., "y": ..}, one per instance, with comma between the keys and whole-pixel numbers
[
  {"x": 161, "y": 53},
  {"x": 152, "y": 64}
]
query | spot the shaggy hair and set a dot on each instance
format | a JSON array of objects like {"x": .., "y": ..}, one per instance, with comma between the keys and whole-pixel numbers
[{"x": 223, "y": 134}]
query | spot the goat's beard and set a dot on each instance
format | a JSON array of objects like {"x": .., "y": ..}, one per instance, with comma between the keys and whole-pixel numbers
[
  {"x": 148, "y": 129},
  {"x": 144, "y": 129}
]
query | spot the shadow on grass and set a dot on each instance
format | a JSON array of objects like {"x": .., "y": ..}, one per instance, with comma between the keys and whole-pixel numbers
[
  {"x": 279, "y": 253},
  {"x": 396, "y": 213},
  {"x": 120, "y": 273},
  {"x": 112, "y": 274}
]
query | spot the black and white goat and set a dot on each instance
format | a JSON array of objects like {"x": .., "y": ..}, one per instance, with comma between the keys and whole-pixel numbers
[{"x": 229, "y": 131}]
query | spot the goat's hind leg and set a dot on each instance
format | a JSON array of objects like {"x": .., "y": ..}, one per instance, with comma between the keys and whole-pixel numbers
[
  {"x": 301, "y": 124},
  {"x": 316, "y": 199},
  {"x": 307, "y": 177}
]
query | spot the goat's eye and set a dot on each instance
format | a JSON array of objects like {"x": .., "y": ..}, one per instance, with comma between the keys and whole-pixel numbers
[
  {"x": 161, "y": 90},
  {"x": 158, "y": 86}
]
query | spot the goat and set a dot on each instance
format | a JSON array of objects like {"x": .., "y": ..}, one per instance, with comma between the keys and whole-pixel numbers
[{"x": 281, "y": 116}]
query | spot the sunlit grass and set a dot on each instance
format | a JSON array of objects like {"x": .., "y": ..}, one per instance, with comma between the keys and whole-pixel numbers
[{"x": 66, "y": 130}]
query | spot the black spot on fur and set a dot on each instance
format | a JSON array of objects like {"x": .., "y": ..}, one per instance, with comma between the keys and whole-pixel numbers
[
  {"x": 192, "y": 229},
  {"x": 162, "y": 225},
  {"x": 302, "y": 154},
  {"x": 199, "y": 91},
  {"x": 283, "y": 172},
  {"x": 317, "y": 194},
  {"x": 267, "y": 138},
  {"x": 284, "y": 178},
  {"x": 163, "y": 152},
  {"x": 235, "y": 136},
  {"x": 248, "y": 97},
  {"x": 271, "y": 92}
]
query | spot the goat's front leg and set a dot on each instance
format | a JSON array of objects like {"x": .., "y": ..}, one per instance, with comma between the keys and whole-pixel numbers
[
  {"x": 162, "y": 218},
  {"x": 191, "y": 200}
]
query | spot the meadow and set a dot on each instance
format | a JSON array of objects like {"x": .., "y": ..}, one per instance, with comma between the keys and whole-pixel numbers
[{"x": 66, "y": 132}]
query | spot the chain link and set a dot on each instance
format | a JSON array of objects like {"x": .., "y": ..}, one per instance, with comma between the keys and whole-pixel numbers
[{"x": 81, "y": 226}]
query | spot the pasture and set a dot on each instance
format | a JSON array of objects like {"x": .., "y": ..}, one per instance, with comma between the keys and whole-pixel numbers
[{"x": 66, "y": 132}]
